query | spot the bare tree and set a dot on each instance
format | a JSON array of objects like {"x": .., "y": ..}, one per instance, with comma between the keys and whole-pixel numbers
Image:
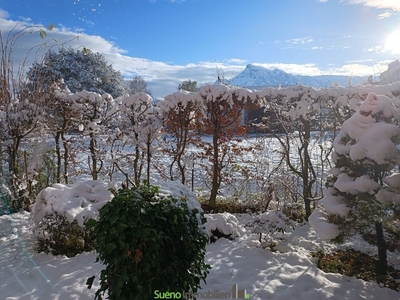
[
  {"x": 95, "y": 114},
  {"x": 222, "y": 109},
  {"x": 134, "y": 112},
  {"x": 179, "y": 112},
  {"x": 137, "y": 85},
  {"x": 295, "y": 110},
  {"x": 21, "y": 106}
]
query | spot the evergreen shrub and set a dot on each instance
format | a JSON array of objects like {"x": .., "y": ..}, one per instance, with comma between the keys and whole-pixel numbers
[
  {"x": 149, "y": 243},
  {"x": 63, "y": 237}
]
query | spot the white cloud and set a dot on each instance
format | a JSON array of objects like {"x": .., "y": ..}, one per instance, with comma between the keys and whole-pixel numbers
[
  {"x": 377, "y": 49},
  {"x": 3, "y": 14},
  {"x": 296, "y": 41},
  {"x": 360, "y": 60},
  {"x": 163, "y": 78},
  {"x": 236, "y": 61},
  {"x": 388, "y": 4},
  {"x": 360, "y": 68},
  {"x": 27, "y": 20},
  {"x": 384, "y": 15}
]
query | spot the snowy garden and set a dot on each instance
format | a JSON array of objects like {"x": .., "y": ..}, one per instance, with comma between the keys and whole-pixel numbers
[{"x": 266, "y": 203}]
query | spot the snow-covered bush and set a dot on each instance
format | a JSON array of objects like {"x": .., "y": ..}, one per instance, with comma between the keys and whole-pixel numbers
[
  {"x": 132, "y": 142},
  {"x": 21, "y": 107},
  {"x": 60, "y": 213},
  {"x": 365, "y": 154},
  {"x": 81, "y": 70},
  {"x": 294, "y": 211},
  {"x": 178, "y": 112},
  {"x": 271, "y": 222},
  {"x": 223, "y": 225},
  {"x": 97, "y": 113},
  {"x": 301, "y": 112},
  {"x": 150, "y": 240},
  {"x": 221, "y": 110}
]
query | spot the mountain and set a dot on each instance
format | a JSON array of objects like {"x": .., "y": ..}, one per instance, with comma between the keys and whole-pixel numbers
[{"x": 254, "y": 76}]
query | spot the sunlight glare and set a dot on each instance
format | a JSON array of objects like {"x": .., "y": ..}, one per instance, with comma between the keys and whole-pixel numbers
[{"x": 393, "y": 42}]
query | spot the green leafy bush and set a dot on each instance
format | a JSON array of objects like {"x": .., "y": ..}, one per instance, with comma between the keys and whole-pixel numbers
[
  {"x": 61, "y": 237},
  {"x": 148, "y": 242},
  {"x": 59, "y": 214},
  {"x": 294, "y": 211}
]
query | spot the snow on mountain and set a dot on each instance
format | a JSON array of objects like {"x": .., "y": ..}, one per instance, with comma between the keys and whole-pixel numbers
[{"x": 255, "y": 76}]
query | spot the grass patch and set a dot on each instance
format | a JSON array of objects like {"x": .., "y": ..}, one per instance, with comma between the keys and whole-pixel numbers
[{"x": 357, "y": 264}]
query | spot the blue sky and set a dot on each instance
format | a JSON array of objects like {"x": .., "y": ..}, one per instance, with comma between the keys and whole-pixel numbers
[{"x": 167, "y": 41}]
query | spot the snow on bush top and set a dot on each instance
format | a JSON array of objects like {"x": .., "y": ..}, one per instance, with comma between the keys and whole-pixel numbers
[
  {"x": 137, "y": 100},
  {"x": 220, "y": 92},
  {"x": 335, "y": 205},
  {"x": 270, "y": 222},
  {"x": 373, "y": 140},
  {"x": 368, "y": 134},
  {"x": 225, "y": 222},
  {"x": 213, "y": 92},
  {"x": 323, "y": 229},
  {"x": 79, "y": 201},
  {"x": 83, "y": 200},
  {"x": 179, "y": 191},
  {"x": 172, "y": 101}
]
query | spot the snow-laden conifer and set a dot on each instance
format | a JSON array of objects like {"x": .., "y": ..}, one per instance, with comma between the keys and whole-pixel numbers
[{"x": 360, "y": 188}]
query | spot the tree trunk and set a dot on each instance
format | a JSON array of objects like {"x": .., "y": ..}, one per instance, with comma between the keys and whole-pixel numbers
[
  {"x": 382, "y": 258},
  {"x": 307, "y": 185},
  {"x": 148, "y": 144},
  {"x": 66, "y": 157},
  {"x": 181, "y": 170},
  {"x": 14, "y": 174},
  {"x": 215, "y": 180},
  {"x": 136, "y": 169},
  {"x": 26, "y": 199},
  {"x": 58, "y": 153},
  {"x": 171, "y": 169},
  {"x": 12, "y": 168},
  {"x": 182, "y": 167},
  {"x": 93, "y": 156}
]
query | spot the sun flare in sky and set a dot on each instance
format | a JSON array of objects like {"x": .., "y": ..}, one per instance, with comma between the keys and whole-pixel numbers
[{"x": 393, "y": 42}]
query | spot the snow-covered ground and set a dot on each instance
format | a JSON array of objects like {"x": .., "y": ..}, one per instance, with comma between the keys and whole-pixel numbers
[{"x": 289, "y": 274}]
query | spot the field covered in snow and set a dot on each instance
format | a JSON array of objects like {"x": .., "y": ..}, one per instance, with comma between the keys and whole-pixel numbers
[
  {"x": 283, "y": 267},
  {"x": 287, "y": 272},
  {"x": 290, "y": 272}
]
